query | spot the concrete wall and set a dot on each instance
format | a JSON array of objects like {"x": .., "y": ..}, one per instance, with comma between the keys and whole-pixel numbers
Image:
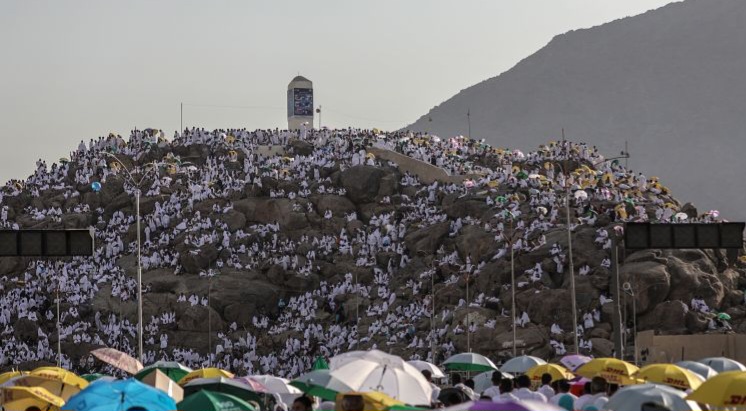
[
  {"x": 427, "y": 173},
  {"x": 673, "y": 348}
]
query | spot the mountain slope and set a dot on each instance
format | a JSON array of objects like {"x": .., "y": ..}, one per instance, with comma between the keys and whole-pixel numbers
[{"x": 670, "y": 82}]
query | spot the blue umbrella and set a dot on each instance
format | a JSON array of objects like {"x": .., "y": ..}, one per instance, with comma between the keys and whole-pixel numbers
[{"x": 120, "y": 395}]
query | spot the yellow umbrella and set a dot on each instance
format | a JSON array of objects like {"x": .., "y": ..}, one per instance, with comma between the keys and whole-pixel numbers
[
  {"x": 727, "y": 389},
  {"x": 366, "y": 400},
  {"x": 4, "y": 377},
  {"x": 669, "y": 374},
  {"x": 57, "y": 381},
  {"x": 22, "y": 398},
  {"x": 557, "y": 372},
  {"x": 205, "y": 373},
  {"x": 613, "y": 370}
]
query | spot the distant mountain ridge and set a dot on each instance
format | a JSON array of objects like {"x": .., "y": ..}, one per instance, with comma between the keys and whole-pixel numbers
[{"x": 671, "y": 82}]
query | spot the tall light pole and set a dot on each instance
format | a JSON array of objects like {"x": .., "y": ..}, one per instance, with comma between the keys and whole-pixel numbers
[
  {"x": 432, "y": 314},
  {"x": 512, "y": 280},
  {"x": 573, "y": 294},
  {"x": 137, "y": 183},
  {"x": 468, "y": 325}
]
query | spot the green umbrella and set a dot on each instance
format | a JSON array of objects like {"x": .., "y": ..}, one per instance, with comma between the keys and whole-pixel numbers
[
  {"x": 315, "y": 383},
  {"x": 92, "y": 377},
  {"x": 224, "y": 386},
  {"x": 320, "y": 364},
  {"x": 213, "y": 401},
  {"x": 469, "y": 362},
  {"x": 172, "y": 369},
  {"x": 724, "y": 316}
]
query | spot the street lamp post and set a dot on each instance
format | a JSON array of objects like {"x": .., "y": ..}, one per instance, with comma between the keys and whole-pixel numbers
[
  {"x": 573, "y": 294},
  {"x": 137, "y": 184},
  {"x": 468, "y": 325},
  {"x": 512, "y": 284},
  {"x": 572, "y": 272}
]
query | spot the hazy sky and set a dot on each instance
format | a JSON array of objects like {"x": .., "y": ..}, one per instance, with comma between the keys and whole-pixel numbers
[{"x": 72, "y": 70}]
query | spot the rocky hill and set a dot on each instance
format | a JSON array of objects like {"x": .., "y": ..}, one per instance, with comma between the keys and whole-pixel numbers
[
  {"x": 266, "y": 261},
  {"x": 668, "y": 81}
]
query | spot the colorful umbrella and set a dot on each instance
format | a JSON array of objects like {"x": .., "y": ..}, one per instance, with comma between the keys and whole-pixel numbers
[
  {"x": 521, "y": 364},
  {"x": 557, "y": 372},
  {"x": 118, "y": 359},
  {"x": 205, "y": 373},
  {"x": 120, "y": 395},
  {"x": 469, "y": 361},
  {"x": 670, "y": 374},
  {"x": 172, "y": 369},
  {"x": 574, "y": 361},
  {"x": 223, "y": 385},
  {"x": 276, "y": 385},
  {"x": 613, "y": 370},
  {"x": 23, "y": 398},
  {"x": 632, "y": 398},
  {"x": 721, "y": 364},
  {"x": 205, "y": 400},
  {"x": 315, "y": 383},
  {"x": 727, "y": 389},
  {"x": 255, "y": 385}
]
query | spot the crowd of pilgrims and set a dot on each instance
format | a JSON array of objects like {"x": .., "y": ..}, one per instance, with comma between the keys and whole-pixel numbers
[{"x": 533, "y": 186}]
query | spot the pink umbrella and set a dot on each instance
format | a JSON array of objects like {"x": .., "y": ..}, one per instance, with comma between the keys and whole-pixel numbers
[
  {"x": 254, "y": 384},
  {"x": 118, "y": 359},
  {"x": 573, "y": 362}
]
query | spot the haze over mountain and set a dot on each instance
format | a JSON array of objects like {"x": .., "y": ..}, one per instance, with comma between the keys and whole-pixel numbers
[{"x": 669, "y": 81}]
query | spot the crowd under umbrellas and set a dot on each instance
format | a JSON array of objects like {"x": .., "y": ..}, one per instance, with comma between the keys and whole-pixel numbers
[
  {"x": 524, "y": 189},
  {"x": 375, "y": 380}
]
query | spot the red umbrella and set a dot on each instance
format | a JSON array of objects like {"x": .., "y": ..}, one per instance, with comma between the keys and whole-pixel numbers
[{"x": 118, "y": 359}]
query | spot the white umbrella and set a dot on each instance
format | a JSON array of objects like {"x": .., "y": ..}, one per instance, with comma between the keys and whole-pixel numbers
[
  {"x": 424, "y": 365},
  {"x": 722, "y": 364},
  {"x": 704, "y": 371},
  {"x": 469, "y": 361},
  {"x": 279, "y": 387},
  {"x": 342, "y": 359},
  {"x": 519, "y": 365},
  {"x": 389, "y": 374},
  {"x": 482, "y": 381},
  {"x": 631, "y": 398},
  {"x": 276, "y": 385}
]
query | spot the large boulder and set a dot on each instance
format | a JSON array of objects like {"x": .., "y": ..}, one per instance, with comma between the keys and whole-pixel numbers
[
  {"x": 426, "y": 240},
  {"x": 689, "y": 281},
  {"x": 300, "y": 147},
  {"x": 272, "y": 210},
  {"x": 650, "y": 280},
  {"x": 362, "y": 183},
  {"x": 195, "y": 318},
  {"x": 197, "y": 260},
  {"x": 338, "y": 205},
  {"x": 669, "y": 317},
  {"x": 475, "y": 242}
]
